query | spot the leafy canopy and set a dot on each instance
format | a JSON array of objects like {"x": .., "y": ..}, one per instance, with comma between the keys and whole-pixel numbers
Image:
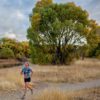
[{"x": 61, "y": 26}]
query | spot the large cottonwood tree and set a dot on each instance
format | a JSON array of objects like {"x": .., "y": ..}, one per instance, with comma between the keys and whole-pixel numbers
[{"x": 61, "y": 26}]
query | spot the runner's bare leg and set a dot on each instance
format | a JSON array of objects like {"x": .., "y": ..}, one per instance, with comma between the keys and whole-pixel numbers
[
  {"x": 30, "y": 87},
  {"x": 25, "y": 90}
]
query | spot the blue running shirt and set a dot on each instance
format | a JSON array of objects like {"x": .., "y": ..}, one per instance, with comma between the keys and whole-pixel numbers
[{"x": 27, "y": 72}]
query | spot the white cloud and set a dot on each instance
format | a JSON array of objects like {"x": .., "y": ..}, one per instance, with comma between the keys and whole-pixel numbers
[
  {"x": 10, "y": 35},
  {"x": 14, "y": 14},
  {"x": 20, "y": 15}
]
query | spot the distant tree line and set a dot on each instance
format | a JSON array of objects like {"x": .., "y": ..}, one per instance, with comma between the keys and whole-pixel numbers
[
  {"x": 11, "y": 48},
  {"x": 60, "y": 33}
]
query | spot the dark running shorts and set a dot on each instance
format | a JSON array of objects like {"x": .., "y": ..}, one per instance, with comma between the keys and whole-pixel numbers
[{"x": 27, "y": 79}]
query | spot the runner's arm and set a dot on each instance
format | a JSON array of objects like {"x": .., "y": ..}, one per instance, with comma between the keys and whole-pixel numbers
[{"x": 21, "y": 72}]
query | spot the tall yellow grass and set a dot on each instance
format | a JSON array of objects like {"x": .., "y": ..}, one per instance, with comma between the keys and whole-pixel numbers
[
  {"x": 78, "y": 72},
  {"x": 57, "y": 94},
  {"x": 10, "y": 79},
  {"x": 51, "y": 94}
]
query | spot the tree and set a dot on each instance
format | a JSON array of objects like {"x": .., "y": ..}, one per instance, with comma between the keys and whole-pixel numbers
[
  {"x": 61, "y": 26},
  {"x": 6, "y": 53},
  {"x": 20, "y": 49},
  {"x": 93, "y": 37},
  {"x": 41, "y": 4}
]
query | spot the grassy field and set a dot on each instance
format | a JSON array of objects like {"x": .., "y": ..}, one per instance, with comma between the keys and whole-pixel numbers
[
  {"x": 56, "y": 94},
  {"x": 10, "y": 79},
  {"x": 80, "y": 71}
]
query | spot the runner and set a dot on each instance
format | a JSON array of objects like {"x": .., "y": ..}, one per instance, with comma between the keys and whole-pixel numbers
[{"x": 27, "y": 72}]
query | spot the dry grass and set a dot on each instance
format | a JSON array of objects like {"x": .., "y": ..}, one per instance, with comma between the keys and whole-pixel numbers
[
  {"x": 87, "y": 94},
  {"x": 51, "y": 94},
  {"x": 81, "y": 71},
  {"x": 10, "y": 79},
  {"x": 56, "y": 94}
]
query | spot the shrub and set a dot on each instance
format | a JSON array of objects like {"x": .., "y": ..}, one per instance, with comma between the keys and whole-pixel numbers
[
  {"x": 6, "y": 53},
  {"x": 20, "y": 56},
  {"x": 98, "y": 54}
]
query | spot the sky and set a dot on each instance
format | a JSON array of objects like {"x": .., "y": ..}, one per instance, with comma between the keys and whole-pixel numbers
[{"x": 14, "y": 15}]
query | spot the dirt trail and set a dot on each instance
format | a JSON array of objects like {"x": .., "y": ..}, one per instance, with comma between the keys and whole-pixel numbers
[{"x": 41, "y": 86}]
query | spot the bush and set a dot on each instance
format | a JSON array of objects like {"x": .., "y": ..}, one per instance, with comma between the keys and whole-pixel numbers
[
  {"x": 98, "y": 54},
  {"x": 46, "y": 55},
  {"x": 6, "y": 53},
  {"x": 46, "y": 59},
  {"x": 20, "y": 57}
]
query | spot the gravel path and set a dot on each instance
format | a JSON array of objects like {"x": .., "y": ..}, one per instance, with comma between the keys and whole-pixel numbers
[{"x": 16, "y": 95}]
